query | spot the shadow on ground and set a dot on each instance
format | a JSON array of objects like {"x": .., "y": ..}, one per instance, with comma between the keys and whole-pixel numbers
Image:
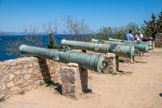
[
  {"x": 140, "y": 61},
  {"x": 120, "y": 72},
  {"x": 47, "y": 76}
]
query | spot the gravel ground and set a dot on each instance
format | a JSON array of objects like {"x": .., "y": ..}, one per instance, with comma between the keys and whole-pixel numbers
[{"x": 139, "y": 86}]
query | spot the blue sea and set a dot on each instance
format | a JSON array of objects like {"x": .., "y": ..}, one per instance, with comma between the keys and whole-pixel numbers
[{"x": 6, "y": 40}]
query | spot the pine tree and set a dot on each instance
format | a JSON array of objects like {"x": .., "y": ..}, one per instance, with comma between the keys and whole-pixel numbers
[
  {"x": 51, "y": 42},
  {"x": 154, "y": 26},
  {"x": 159, "y": 23}
]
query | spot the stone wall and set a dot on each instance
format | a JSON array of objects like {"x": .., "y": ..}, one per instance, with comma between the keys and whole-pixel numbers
[{"x": 23, "y": 74}]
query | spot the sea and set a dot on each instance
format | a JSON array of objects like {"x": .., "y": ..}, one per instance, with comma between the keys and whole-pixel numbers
[{"x": 7, "y": 42}]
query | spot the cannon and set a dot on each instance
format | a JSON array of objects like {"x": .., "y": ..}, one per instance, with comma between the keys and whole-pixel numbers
[
  {"x": 95, "y": 62},
  {"x": 149, "y": 43},
  {"x": 147, "y": 39},
  {"x": 119, "y": 50},
  {"x": 139, "y": 47}
]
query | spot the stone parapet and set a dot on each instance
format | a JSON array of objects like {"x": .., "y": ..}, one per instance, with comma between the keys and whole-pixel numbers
[{"x": 22, "y": 74}]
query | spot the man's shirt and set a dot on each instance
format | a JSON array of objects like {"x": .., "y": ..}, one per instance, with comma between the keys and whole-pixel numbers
[
  {"x": 129, "y": 37},
  {"x": 139, "y": 37}
]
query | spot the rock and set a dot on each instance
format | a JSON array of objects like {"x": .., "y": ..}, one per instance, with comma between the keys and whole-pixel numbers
[
  {"x": 72, "y": 65},
  {"x": 11, "y": 76},
  {"x": 30, "y": 65},
  {"x": 38, "y": 82},
  {"x": 2, "y": 66},
  {"x": 4, "y": 78},
  {"x": 18, "y": 80},
  {"x": 52, "y": 72},
  {"x": 27, "y": 76},
  {"x": 10, "y": 84},
  {"x": 5, "y": 70},
  {"x": 2, "y": 97},
  {"x": 108, "y": 55},
  {"x": 14, "y": 89},
  {"x": 2, "y": 87},
  {"x": 22, "y": 62},
  {"x": 24, "y": 71},
  {"x": 30, "y": 70},
  {"x": 51, "y": 68},
  {"x": 17, "y": 72},
  {"x": 36, "y": 64},
  {"x": 19, "y": 66},
  {"x": 36, "y": 74},
  {"x": 25, "y": 84},
  {"x": 26, "y": 66},
  {"x": 10, "y": 63}
]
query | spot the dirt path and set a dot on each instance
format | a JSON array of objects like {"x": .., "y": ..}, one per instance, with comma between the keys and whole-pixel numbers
[{"x": 139, "y": 87}]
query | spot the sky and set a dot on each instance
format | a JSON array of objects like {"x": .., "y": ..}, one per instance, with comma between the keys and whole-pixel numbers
[{"x": 16, "y": 14}]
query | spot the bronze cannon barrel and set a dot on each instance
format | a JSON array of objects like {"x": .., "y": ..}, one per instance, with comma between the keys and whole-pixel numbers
[
  {"x": 149, "y": 43},
  {"x": 118, "y": 49},
  {"x": 140, "y": 47},
  {"x": 95, "y": 62}
]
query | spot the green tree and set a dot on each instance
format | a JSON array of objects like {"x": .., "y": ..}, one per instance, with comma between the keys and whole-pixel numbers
[
  {"x": 51, "y": 44},
  {"x": 154, "y": 26},
  {"x": 51, "y": 29},
  {"x": 103, "y": 33},
  {"x": 134, "y": 27},
  {"x": 116, "y": 32},
  {"x": 159, "y": 23}
]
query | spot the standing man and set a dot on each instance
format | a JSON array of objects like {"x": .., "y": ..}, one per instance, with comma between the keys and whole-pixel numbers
[
  {"x": 129, "y": 36},
  {"x": 139, "y": 37}
]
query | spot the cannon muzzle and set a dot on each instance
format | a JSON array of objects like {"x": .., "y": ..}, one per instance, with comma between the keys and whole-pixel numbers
[
  {"x": 118, "y": 49},
  {"x": 95, "y": 62}
]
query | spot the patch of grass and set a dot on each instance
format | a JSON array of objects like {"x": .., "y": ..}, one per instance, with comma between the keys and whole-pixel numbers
[
  {"x": 56, "y": 92},
  {"x": 114, "y": 73},
  {"x": 121, "y": 73},
  {"x": 92, "y": 71},
  {"x": 2, "y": 99},
  {"x": 22, "y": 93},
  {"x": 41, "y": 83}
]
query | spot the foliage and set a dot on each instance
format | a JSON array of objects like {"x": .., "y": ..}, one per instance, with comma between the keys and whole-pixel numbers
[
  {"x": 51, "y": 43},
  {"x": 76, "y": 29},
  {"x": 22, "y": 92},
  {"x": 41, "y": 83},
  {"x": 116, "y": 32},
  {"x": 31, "y": 39},
  {"x": 51, "y": 29},
  {"x": 154, "y": 26}
]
